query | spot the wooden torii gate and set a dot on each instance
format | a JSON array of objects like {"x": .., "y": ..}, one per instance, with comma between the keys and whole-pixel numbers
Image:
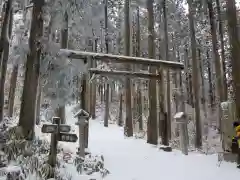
[{"x": 85, "y": 56}]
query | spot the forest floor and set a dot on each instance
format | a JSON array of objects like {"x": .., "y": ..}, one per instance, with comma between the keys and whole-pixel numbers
[{"x": 134, "y": 159}]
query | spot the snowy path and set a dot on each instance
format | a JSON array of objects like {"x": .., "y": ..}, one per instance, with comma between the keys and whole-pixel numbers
[{"x": 132, "y": 159}]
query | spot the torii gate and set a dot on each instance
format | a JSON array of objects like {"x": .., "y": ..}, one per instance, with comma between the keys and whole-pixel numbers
[{"x": 176, "y": 66}]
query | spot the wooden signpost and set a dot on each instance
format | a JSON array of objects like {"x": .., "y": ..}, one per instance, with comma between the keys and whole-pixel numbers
[
  {"x": 53, "y": 128},
  {"x": 67, "y": 137},
  {"x": 59, "y": 132},
  {"x": 83, "y": 117}
]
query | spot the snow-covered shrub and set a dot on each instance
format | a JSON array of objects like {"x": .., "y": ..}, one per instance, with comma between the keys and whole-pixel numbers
[
  {"x": 91, "y": 164},
  {"x": 30, "y": 156},
  {"x": 15, "y": 173},
  {"x": 15, "y": 143}
]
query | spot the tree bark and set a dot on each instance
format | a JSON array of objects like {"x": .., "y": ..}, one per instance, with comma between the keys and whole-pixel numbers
[
  {"x": 139, "y": 93},
  {"x": 107, "y": 89},
  {"x": 5, "y": 26},
  {"x": 120, "y": 118},
  {"x": 4, "y": 51},
  {"x": 128, "y": 129},
  {"x": 93, "y": 104},
  {"x": 64, "y": 44},
  {"x": 234, "y": 42},
  {"x": 27, "y": 112},
  {"x": 198, "y": 137},
  {"x": 38, "y": 106},
  {"x": 13, "y": 84},
  {"x": 152, "y": 137},
  {"x": 169, "y": 108},
  {"x": 106, "y": 115},
  {"x": 220, "y": 97},
  {"x": 201, "y": 71},
  {"x": 210, "y": 83},
  {"x": 223, "y": 64}
]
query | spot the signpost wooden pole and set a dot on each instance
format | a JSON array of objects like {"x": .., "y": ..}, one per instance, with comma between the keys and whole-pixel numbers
[
  {"x": 54, "y": 141},
  {"x": 59, "y": 132}
]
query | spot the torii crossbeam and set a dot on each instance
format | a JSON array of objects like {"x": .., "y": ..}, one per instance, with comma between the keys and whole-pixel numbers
[
  {"x": 143, "y": 75},
  {"x": 122, "y": 59}
]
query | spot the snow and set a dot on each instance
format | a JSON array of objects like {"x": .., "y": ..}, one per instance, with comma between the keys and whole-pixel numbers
[
  {"x": 134, "y": 159},
  {"x": 179, "y": 115},
  {"x": 12, "y": 168}
]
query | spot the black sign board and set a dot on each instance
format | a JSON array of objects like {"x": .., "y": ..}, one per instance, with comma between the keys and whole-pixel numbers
[
  {"x": 67, "y": 137},
  {"x": 52, "y": 128}
]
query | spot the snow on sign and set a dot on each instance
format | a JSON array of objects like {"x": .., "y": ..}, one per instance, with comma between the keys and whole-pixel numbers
[
  {"x": 81, "y": 114},
  {"x": 180, "y": 117},
  {"x": 52, "y": 128},
  {"x": 64, "y": 128},
  {"x": 49, "y": 128},
  {"x": 68, "y": 137}
]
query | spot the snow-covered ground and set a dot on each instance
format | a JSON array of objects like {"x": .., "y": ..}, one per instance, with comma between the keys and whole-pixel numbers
[{"x": 134, "y": 159}]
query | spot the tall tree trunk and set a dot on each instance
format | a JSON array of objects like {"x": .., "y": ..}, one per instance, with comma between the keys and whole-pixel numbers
[
  {"x": 182, "y": 97},
  {"x": 169, "y": 114},
  {"x": 86, "y": 92},
  {"x": 128, "y": 123},
  {"x": 218, "y": 68},
  {"x": 198, "y": 140},
  {"x": 201, "y": 71},
  {"x": 210, "y": 83},
  {"x": 107, "y": 90},
  {"x": 38, "y": 106},
  {"x": 106, "y": 115},
  {"x": 188, "y": 75},
  {"x": 139, "y": 92},
  {"x": 27, "y": 112},
  {"x": 120, "y": 118},
  {"x": 175, "y": 74},
  {"x": 93, "y": 104},
  {"x": 152, "y": 137},
  {"x": 234, "y": 42},
  {"x": 119, "y": 38},
  {"x": 5, "y": 26},
  {"x": 64, "y": 45},
  {"x": 4, "y": 53},
  {"x": 223, "y": 64},
  {"x": 13, "y": 84}
]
